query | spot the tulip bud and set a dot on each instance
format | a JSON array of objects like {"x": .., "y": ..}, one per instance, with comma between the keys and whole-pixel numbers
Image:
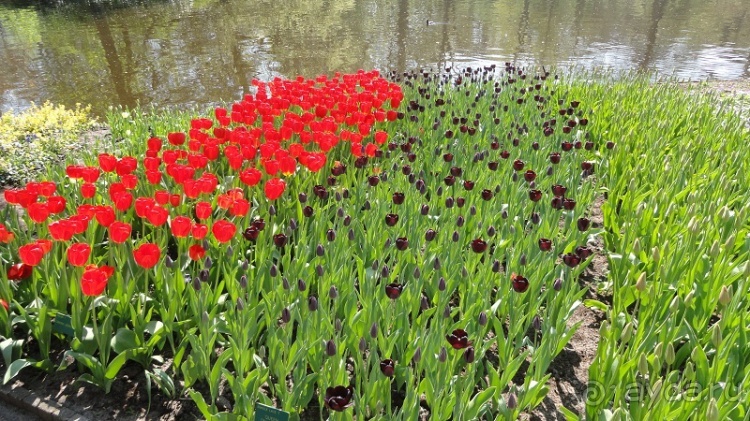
[
  {"x": 447, "y": 312},
  {"x": 655, "y": 254},
  {"x": 273, "y": 271},
  {"x": 285, "y": 283},
  {"x": 716, "y": 335},
  {"x": 319, "y": 270},
  {"x": 203, "y": 275},
  {"x": 320, "y": 251},
  {"x": 469, "y": 355},
  {"x": 301, "y": 285},
  {"x": 688, "y": 372},
  {"x": 443, "y": 355},
  {"x": 725, "y": 296},
  {"x": 286, "y": 315},
  {"x": 293, "y": 224},
  {"x": 385, "y": 271},
  {"x": 522, "y": 260},
  {"x": 714, "y": 249},
  {"x": 441, "y": 284},
  {"x": 168, "y": 262},
  {"x": 643, "y": 365},
  {"x": 196, "y": 283},
  {"x": 674, "y": 306},
  {"x": 312, "y": 303},
  {"x": 245, "y": 265},
  {"x": 636, "y": 246},
  {"x": 491, "y": 231},
  {"x": 729, "y": 245},
  {"x": 350, "y": 234},
  {"x": 627, "y": 332},
  {"x": 240, "y": 304},
  {"x": 417, "y": 273},
  {"x": 482, "y": 319},
  {"x": 243, "y": 281},
  {"x": 204, "y": 318},
  {"x": 436, "y": 263},
  {"x": 208, "y": 262},
  {"x": 657, "y": 352},
  {"x": 330, "y": 348},
  {"x": 712, "y": 413},
  {"x": 338, "y": 325},
  {"x": 557, "y": 285},
  {"x": 511, "y": 402},
  {"x": 417, "y": 355},
  {"x": 496, "y": 266},
  {"x": 362, "y": 345},
  {"x": 424, "y": 303},
  {"x": 272, "y": 210},
  {"x": 640, "y": 285},
  {"x": 536, "y": 323},
  {"x": 374, "y": 331},
  {"x": 230, "y": 252},
  {"x": 669, "y": 355}
]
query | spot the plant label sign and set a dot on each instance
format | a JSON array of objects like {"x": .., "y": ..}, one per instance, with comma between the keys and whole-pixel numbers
[{"x": 269, "y": 413}]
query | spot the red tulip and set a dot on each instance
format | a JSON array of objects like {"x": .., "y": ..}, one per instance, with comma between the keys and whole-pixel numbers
[
  {"x": 105, "y": 215},
  {"x": 199, "y": 231},
  {"x": 31, "y": 254},
  {"x": 78, "y": 254},
  {"x": 19, "y": 272},
  {"x": 147, "y": 255},
  {"x": 176, "y": 139},
  {"x": 38, "y": 212},
  {"x": 251, "y": 176},
  {"x": 119, "y": 232},
  {"x": 223, "y": 230},
  {"x": 5, "y": 235},
  {"x": 203, "y": 210},
  {"x": 94, "y": 279},
  {"x": 157, "y": 216},
  {"x": 274, "y": 188},
  {"x": 196, "y": 252},
  {"x": 240, "y": 207},
  {"x": 181, "y": 226},
  {"x": 107, "y": 162}
]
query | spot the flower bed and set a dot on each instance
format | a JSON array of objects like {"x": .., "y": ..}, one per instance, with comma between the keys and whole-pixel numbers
[{"x": 351, "y": 246}]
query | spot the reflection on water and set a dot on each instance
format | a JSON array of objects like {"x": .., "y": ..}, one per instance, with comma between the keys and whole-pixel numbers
[{"x": 195, "y": 52}]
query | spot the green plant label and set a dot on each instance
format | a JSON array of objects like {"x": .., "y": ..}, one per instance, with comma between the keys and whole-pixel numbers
[
  {"x": 269, "y": 413},
  {"x": 62, "y": 324}
]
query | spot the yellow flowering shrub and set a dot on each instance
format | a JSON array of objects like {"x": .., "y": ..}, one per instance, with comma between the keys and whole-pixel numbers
[{"x": 39, "y": 136}]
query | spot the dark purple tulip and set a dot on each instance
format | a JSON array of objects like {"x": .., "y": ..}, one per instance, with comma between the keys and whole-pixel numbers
[
  {"x": 455, "y": 236},
  {"x": 374, "y": 331},
  {"x": 571, "y": 259},
  {"x": 460, "y": 201},
  {"x": 583, "y": 252},
  {"x": 545, "y": 244},
  {"x": 373, "y": 180},
  {"x": 251, "y": 233},
  {"x": 338, "y": 169},
  {"x": 307, "y": 211},
  {"x": 587, "y": 166},
  {"x": 529, "y": 176},
  {"x": 478, "y": 245},
  {"x": 559, "y": 190},
  {"x": 487, "y": 194},
  {"x": 449, "y": 180},
  {"x": 566, "y": 146},
  {"x": 535, "y": 195},
  {"x": 610, "y": 145},
  {"x": 554, "y": 157},
  {"x": 302, "y": 197},
  {"x": 589, "y": 145},
  {"x": 569, "y": 204},
  {"x": 535, "y": 146},
  {"x": 492, "y": 165},
  {"x": 402, "y": 243},
  {"x": 424, "y": 210},
  {"x": 441, "y": 284},
  {"x": 557, "y": 285},
  {"x": 394, "y": 290},
  {"x": 458, "y": 339},
  {"x": 398, "y": 198},
  {"x": 460, "y": 221},
  {"x": 482, "y": 320},
  {"x": 330, "y": 235},
  {"x": 286, "y": 315},
  {"x": 520, "y": 283},
  {"x": 449, "y": 202},
  {"x": 388, "y": 367},
  {"x": 279, "y": 240},
  {"x": 557, "y": 203},
  {"x": 320, "y": 192},
  {"x": 495, "y": 145},
  {"x": 429, "y": 235},
  {"x": 406, "y": 170},
  {"x": 583, "y": 224},
  {"x": 518, "y": 165},
  {"x": 391, "y": 219},
  {"x": 468, "y": 185},
  {"x": 448, "y": 157},
  {"x": 505, "y": 155},
  {"x": 339, "y": 398}
]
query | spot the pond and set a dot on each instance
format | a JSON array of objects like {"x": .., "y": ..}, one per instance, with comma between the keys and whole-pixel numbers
[{"x": 182, "y": 52}]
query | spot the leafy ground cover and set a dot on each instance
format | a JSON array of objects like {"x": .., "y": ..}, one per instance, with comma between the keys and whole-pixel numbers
[{"x": 394, "y": 248}]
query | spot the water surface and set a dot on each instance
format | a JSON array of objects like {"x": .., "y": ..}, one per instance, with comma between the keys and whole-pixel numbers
[{"x": 198, "y": 52}]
